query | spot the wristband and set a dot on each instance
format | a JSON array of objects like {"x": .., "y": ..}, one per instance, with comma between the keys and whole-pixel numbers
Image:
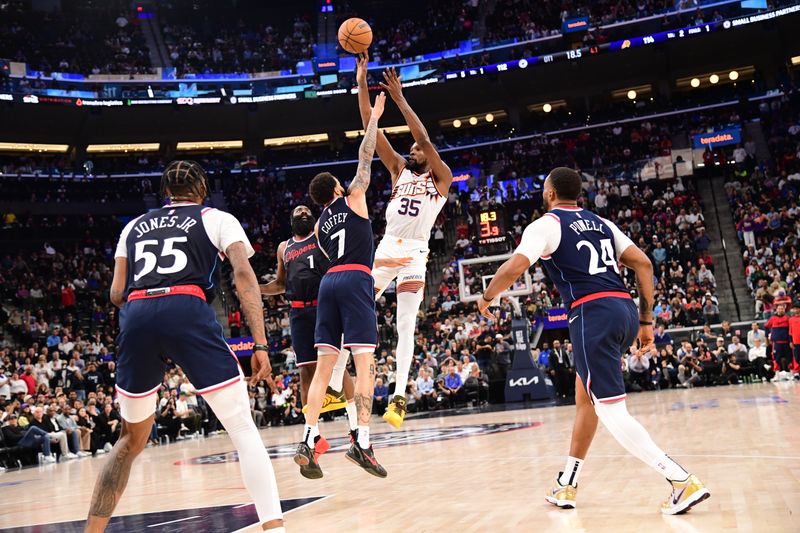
[
  {"x": 485, "y": 299},
  {"x": 645, "y": 323},
  {"x": 260, "y": 348}
]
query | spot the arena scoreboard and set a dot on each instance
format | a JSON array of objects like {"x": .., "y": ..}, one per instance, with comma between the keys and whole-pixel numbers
[{"x": 491, "y": 228}]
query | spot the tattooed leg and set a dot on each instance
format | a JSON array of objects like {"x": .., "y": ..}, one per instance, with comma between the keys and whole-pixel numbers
[
  {"x": 111, "y": 483},
  {"x": 365, "y": 382}
]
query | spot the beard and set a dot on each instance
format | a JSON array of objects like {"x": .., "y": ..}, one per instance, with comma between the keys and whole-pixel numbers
[
  {"x": 414, "y": 166},
  {"x": 302, "y": 225}
]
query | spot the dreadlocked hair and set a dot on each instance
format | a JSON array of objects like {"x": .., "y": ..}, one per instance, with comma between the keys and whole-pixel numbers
[{"x": 183, "y": 180}]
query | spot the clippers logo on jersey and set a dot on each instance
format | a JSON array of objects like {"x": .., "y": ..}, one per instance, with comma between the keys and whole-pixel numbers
[
  {"x": 381, "y": 440},
  {"x": 291, "y": 255},
  {"x": 305, "y": 266}
]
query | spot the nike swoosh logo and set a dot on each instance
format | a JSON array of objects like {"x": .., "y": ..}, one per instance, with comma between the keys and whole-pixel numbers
[
  {"x": 571, "y": 320},
  {"x": 678, "y": 497}
]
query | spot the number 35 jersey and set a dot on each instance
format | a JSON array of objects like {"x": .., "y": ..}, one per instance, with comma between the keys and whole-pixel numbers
[
  {"x": 413, "y": 207},
  {"x": 179, "y": 244},
  {"x": 580, "y": 251}
]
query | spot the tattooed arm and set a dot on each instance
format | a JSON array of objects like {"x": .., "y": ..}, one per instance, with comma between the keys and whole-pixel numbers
[
  {"x": 360, "y": 184},
  {"x": 250, "y": 297},
  {"x": 637, "y": 260}
]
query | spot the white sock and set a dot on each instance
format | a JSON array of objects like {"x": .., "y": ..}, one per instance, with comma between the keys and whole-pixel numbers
[
  {"x": 309, "y": 434},
  {"x": 352, "y": 415},
  {"x": 634, "y": 438},
  {"x": 571, "y": 471},
  {"x": 339, "y": 369},
  {"x": 232, "y": 406},
  {"x": 407, "y": 307},
  {"x": 363, "y": 436}
]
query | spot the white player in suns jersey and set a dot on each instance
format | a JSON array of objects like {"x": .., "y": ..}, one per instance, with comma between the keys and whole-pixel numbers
[{"x": 419, "y": 192}]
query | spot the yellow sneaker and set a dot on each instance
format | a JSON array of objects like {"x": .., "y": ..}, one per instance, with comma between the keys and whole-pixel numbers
[
  {"x": 396, "y": 411},
  {"x": 563, "y": 496},
  {"x": 685, "y": 494},
  {"x": 333, "y": 400}
]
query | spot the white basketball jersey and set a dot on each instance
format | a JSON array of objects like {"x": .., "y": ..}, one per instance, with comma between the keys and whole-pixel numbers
[{"x": 413, "y": 207}]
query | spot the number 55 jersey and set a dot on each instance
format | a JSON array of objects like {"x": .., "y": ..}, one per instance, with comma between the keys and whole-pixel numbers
[{"x": 179, "y": 244}]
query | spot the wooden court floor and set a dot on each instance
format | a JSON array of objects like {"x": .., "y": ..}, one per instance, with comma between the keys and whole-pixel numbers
[{"x": 472, "y": 473}]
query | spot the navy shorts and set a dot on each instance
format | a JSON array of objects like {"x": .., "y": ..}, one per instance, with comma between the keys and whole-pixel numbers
[
  {"x": 346, "y": 307},
  {"x": 303, "y": 322},
  {"x": 180, "y": 327},
  {"x": 601, "y": 331}
]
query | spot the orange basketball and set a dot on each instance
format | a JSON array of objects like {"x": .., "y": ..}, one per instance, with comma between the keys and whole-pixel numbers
[{"x": 355, "y": 35}]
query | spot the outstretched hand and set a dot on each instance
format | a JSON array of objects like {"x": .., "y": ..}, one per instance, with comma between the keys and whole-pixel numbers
[
  {"x": 361, "y": 67},
  {"x": 391, "y": 84},
  {"x": 380, "y": 104}
]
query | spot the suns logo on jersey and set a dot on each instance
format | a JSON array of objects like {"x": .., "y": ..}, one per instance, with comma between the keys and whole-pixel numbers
[{"x": 423, "y": 187}]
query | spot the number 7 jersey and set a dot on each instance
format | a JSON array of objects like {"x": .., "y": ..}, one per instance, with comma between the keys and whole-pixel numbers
[
  {"x": 413, "y": 207},
  {"x": 579, "y": 250},
  {"x": 179, "y": 244}
]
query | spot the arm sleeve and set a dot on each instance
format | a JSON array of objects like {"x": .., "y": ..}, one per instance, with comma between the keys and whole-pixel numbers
[
  {"x": 540, "y": 238},
  {"x": 122, "y": 247},
  {"x": 621, "y": 241},
  {"x": 223, "y": 230}
]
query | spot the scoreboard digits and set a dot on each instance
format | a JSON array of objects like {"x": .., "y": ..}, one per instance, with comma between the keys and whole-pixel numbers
[{"x": 491, "y": 229}]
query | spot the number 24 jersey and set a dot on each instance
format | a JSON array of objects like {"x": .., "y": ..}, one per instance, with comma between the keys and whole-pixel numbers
[{"x": 580, "y": 251}]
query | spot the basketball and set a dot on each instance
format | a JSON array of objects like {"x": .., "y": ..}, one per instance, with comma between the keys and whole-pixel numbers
[{"x": 355, "y": 35}]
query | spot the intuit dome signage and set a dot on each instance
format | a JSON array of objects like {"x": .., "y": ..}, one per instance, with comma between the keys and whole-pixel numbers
[{"x": 717, "y": 138}]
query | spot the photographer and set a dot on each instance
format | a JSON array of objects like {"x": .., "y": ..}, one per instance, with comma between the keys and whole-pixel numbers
[
  {"x": 292, "y": 412},
  {"x": 730, "y": 370},
  {"x": 166, "y": 417}
]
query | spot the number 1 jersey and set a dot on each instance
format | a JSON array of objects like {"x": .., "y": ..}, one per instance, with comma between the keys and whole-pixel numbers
[
  {"x": 179, "y": 244},
  {"x": 579, "y": 250}
]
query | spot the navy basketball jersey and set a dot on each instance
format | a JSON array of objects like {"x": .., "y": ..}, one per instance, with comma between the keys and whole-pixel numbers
[
  {"x": 585, "y": 261},
  {"x": 305, "y": 265},
  {"x": 170, "y": 246},
  {"x": 345, "y": 237}
]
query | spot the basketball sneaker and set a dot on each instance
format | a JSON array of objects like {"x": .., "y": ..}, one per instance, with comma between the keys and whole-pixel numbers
[
  {"x": 333, "y": 400},
  {"x": 564, "y": 496},
  {"x": 353, "y": 436},
  {"x": 365, "y": 458},
  {"x": 685, "y": 494},
  {"x": 396, "y": 411},
  {"x": 308, "y": 459}
]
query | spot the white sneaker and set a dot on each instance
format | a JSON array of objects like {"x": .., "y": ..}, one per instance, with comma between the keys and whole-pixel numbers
[
  {"x": 100, "y": 451},
  {"x": 47, "y": 459},
  {"x": 107, "y": 447},
  {"x": 83, "y": 454},
  {"x": 69, "y": 456}
]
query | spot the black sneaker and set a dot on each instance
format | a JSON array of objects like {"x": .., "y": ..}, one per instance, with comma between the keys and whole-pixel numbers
[
  {"x": 353, "y": 436},
  {"x": 306, "y": 458},
  {"x": 366, "y": 460}
]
